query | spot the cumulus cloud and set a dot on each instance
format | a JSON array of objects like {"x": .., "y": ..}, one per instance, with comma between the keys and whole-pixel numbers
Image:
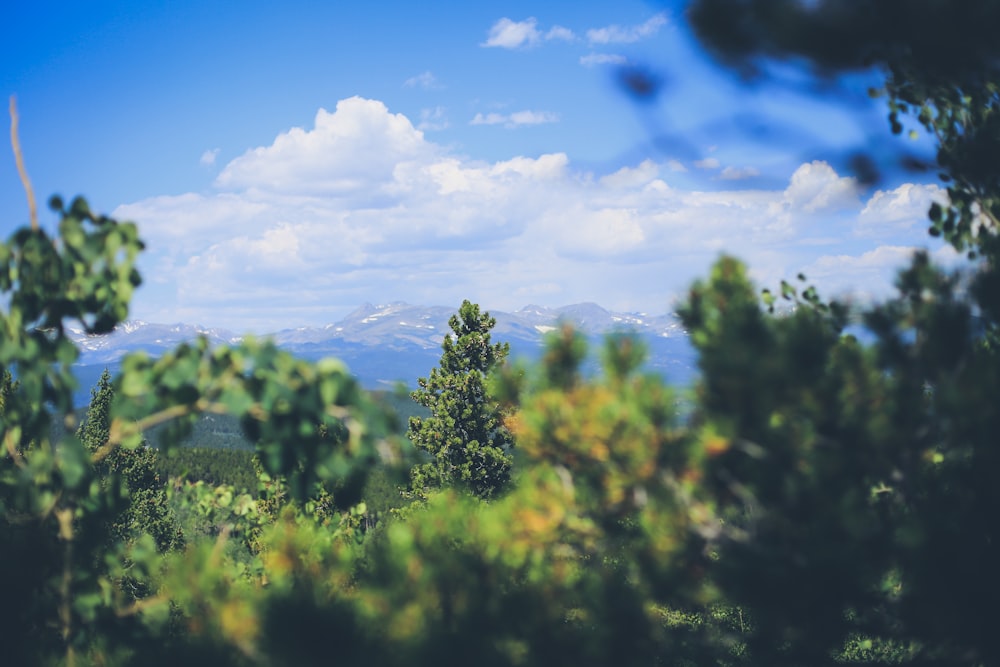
[
  {"x": 632, "y": 176},
  {"x": 592, "y": 59},
  {"x": 361, "y": 206},
  {"x": 515, "y": 119},
  {"x": 508, "y": 34},
  {"x": 870, "y": 275},
  {"x": 616, "y": 34},
  {"x": 817, "y": 186},
  {"x": 900, "y": 210},
  {"x": 881, "y": 259},
  {"x": 345, "y": 152},
  {"x": 708, "y": 163}
]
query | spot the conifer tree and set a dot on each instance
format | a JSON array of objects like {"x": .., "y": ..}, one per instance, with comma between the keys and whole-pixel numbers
[
  {"x": 465, "y": 434},
  {"x": 8, "y": 385},
  {"x": 147, "y": 510},
  {"x": 96, "y": 426}
]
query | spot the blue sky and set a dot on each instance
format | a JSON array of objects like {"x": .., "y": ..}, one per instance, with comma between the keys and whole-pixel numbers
[{"x": 289, "y": 162}]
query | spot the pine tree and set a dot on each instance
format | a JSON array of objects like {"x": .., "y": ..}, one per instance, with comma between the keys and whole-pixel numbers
[
  {"x": 465, "y": 434},
  {"x": 96, "y": 426},
  {"x": 147, "y": 510},
  {"x": 8, "y": 385}
]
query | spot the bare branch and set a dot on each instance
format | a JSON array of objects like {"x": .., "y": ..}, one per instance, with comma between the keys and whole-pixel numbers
[{"x": 19, "y": 159}]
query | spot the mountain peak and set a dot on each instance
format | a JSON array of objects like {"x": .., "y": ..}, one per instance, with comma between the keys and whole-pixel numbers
[
  {"x": 400, "y": 341},
  {"x": 369, "y": 309}
]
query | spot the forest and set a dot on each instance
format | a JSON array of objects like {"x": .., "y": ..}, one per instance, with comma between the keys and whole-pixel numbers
[{"x": 824, "y": 496}]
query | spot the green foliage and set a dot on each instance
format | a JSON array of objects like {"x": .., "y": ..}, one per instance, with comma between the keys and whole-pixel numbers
[
  {"x": 57, "y": 497},
  {"x": 132, "y": 472},
  {"x": 865, "y": 466},
  {"x": 53, "y": 507},
  {"x": 210, "y": 431},
  {"x": 827, "y": 500},
  {"x": 852, "y": 479},
  {"x": 280, "y": 399},
  {"x": 95, "y": 429},
  {"x": 465, "y": 433},
  {"x": 230, "y": 467},
  {"x": 941, "y": 67},
  {"x": 797, "y": 516}
]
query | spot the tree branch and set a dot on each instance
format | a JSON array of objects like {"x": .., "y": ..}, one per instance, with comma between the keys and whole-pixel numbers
[{"x": 19, "y": 159}]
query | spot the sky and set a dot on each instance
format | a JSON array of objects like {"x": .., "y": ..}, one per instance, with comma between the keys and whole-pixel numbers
[{"x": 289, "y": 162}]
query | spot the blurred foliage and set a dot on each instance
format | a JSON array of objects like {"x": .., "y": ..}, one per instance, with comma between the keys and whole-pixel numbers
[
  {"x": 133, "y": 472},
  {"x": 231, "y": 467},
  {"x": 827, "y": 498},
  {"x": 940, "y": 65},
  {"x": 57, "y": 497},
  {"x": 223, "y": 431}
]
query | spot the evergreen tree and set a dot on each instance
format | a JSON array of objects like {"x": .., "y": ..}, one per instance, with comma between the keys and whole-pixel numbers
[
  {"x": 96, "y": 426},
  {"x": 7, "y": 387},
  {"x": 465, "y": 434},
  {"x": 147, "y": 510}
]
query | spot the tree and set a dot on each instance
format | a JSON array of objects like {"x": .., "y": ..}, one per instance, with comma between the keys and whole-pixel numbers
[
  {"x": 840, "y": 494},
  {"x": 95, "y": 428},
  {"x": 8, "y": 385},
  {"x": 939, "y": 62},
  {"x": 146, "y": 510},
  {"x": 856, "y": 478},
  {"x": 55, "y": 501},
  {"x": 465, "y": 434}
]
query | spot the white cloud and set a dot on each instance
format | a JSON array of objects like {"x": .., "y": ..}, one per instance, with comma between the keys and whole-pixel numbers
[
  {"x": 616, "y": 34},
  {"x": 533, "y": 117},
  {"x": 433, "y": 120},
  {"x": 508, "y": 34},
  {"x": 346, "y": 151},
  {"x": 187, "y": 222},
  {"x": 731, "y": 173},
  {"x": 882, "y": 258},
  {"x": 708, "y": 163},
  {"x": 816, "y": 186},
  {"x": 208, "y": 157},
  {"x": 870, "y": 275},
  {"x": 515, "y": 119},
  {"x": 560, "y": 33},
  {"x": 900, "y": 210},
  {"x": 363, "y": 207},
  {"x": 592, "y": 59},
  {"x": 632, "y": 177},
  {"x": 424, "y": 80},
  {"x": 491, "y": 118}
]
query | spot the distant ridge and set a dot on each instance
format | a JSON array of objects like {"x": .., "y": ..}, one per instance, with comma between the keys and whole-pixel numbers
[{"x": 400, "y": 342}]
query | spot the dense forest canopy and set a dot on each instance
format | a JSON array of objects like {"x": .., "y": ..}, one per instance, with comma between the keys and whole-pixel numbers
[{"x": 827, "y": 499}]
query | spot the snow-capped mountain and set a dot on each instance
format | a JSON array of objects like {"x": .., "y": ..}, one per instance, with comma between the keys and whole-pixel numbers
[
  {"x": 400, "y": 323},
  {"x": 383, "y": 344},
  {"x": 593, "y": 320},
  {"x": 137, "y": 335},
  {"x": 393, "y": 324}
]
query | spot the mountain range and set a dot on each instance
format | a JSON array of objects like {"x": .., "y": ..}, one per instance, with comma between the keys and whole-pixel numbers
[{"x": 399, "y": 342}]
